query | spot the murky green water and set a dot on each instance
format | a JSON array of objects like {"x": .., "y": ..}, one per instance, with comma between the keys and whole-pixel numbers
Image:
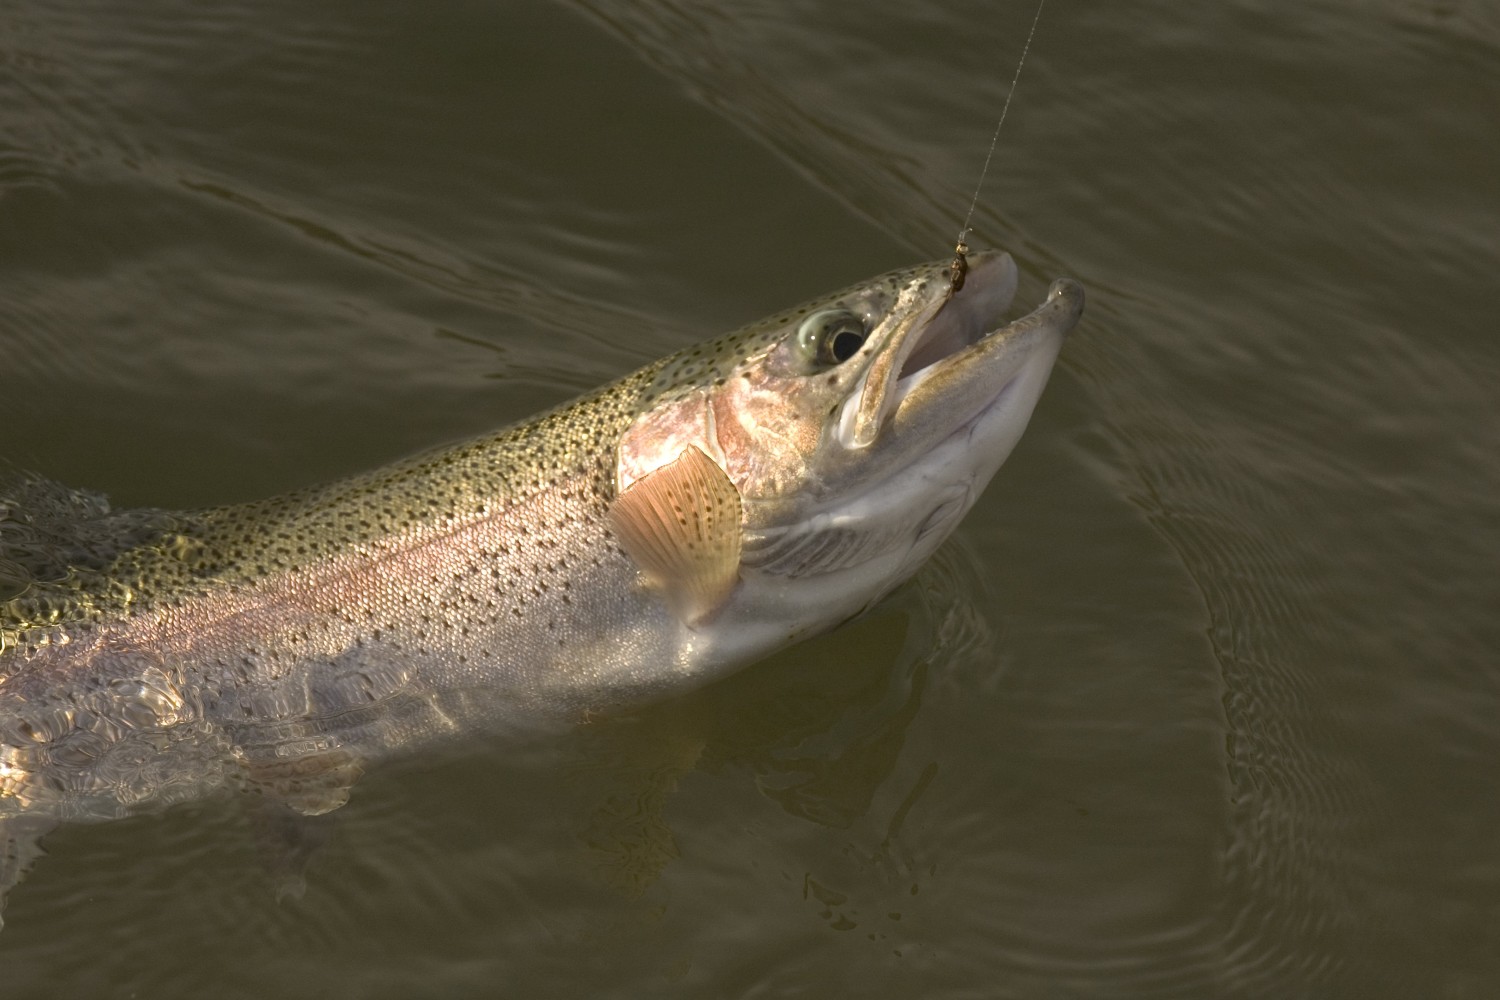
[{"x": 1202, "y": 701}]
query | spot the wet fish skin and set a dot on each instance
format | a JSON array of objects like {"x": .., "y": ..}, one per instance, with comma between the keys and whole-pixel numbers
[{"x": 647, "y": 537}]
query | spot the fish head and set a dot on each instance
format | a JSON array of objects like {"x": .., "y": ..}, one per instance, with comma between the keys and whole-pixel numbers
[{"x": 838, "y": 443}]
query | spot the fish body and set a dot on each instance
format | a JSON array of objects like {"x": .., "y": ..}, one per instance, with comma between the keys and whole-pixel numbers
[{"x": 648, "y": 537}]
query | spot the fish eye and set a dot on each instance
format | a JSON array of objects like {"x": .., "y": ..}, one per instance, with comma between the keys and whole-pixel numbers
[{"x": 831, "y": 336}]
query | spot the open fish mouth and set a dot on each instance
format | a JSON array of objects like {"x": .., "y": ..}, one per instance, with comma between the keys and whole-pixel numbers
[
  {"x": 960, "y": 341},
  {"x": 966, "y": 317}
]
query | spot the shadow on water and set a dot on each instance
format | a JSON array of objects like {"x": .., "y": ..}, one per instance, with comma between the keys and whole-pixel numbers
[{"x": 819, "y": 729}]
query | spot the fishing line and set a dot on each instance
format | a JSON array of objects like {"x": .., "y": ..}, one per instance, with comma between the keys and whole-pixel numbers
[{"x": 959, "y": 268}]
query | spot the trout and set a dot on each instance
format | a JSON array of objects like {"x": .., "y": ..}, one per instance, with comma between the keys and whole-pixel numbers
[{"x": 645, "y": 538}]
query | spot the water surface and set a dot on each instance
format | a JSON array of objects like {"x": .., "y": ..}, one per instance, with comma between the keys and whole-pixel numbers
[{"x": 1202, "y": 699}]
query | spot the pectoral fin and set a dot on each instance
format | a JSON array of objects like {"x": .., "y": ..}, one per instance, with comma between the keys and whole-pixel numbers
[
  {"x": 287, "y": 840},
  {"x": 20, "y": 846},
  {"x": 309, "y": 776},
  {"x": 681, "y": 525}
]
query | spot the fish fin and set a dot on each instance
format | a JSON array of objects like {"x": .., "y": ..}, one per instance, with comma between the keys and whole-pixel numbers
[
  {"x": 288, "y": 839},
  {"x": 681, "y": 525},
  {"x": 306, "y": 781},
  {"x": 631, "y": 773},
  {"x": 20, "y": 846}
]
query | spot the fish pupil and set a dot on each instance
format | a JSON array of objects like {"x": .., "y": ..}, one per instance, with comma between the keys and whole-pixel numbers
[{"x": 845, "y": 344}]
